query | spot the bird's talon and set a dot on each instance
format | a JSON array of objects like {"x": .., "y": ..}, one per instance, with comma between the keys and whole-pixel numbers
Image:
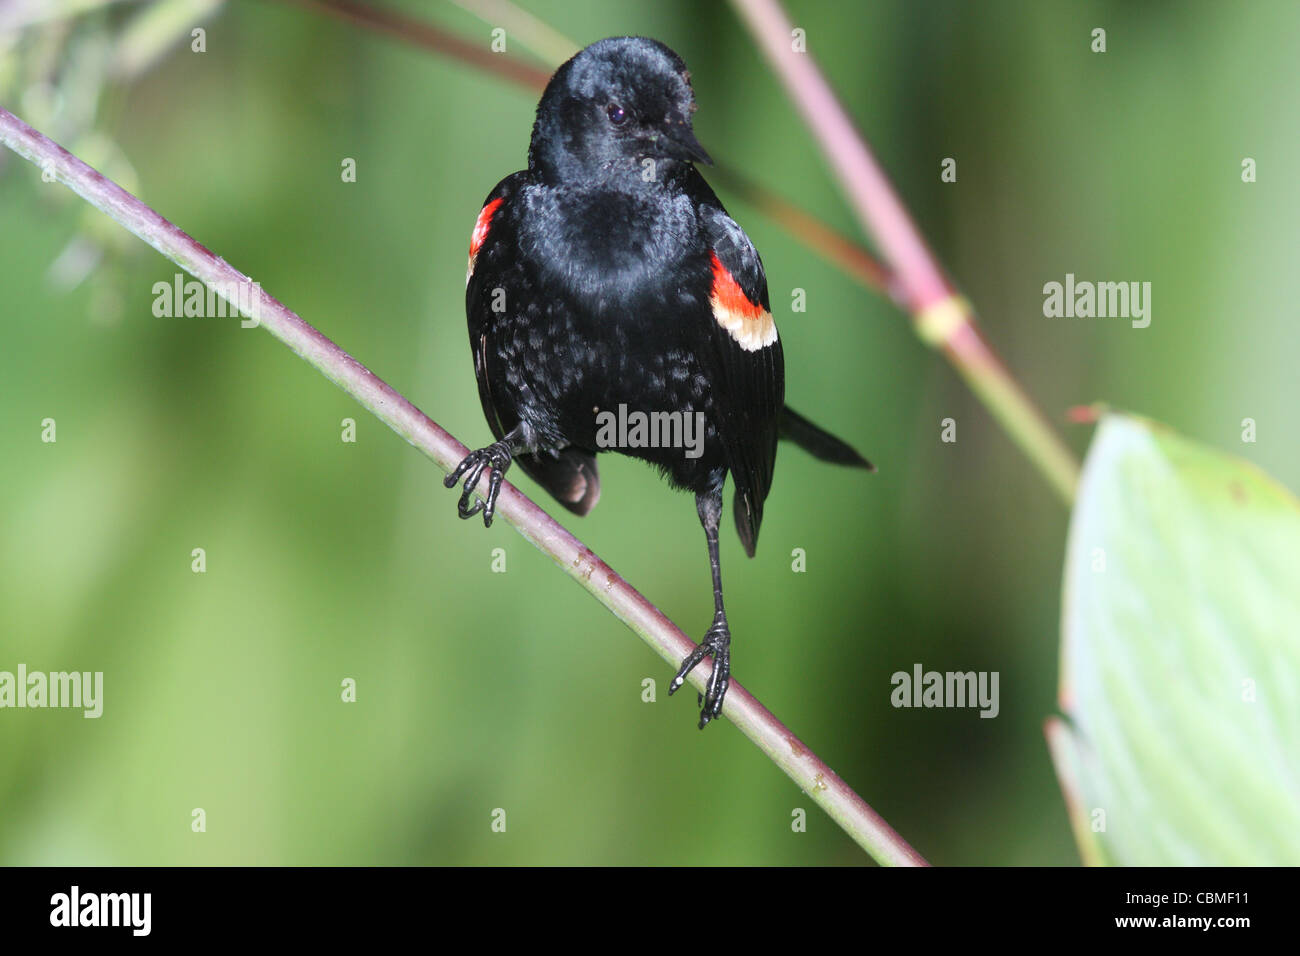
[
  {"x": 716, "y": 644},
  {"x": 496, "y": 456}
]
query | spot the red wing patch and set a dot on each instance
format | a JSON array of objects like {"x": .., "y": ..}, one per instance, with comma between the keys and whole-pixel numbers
[
  {"x": 749, "y": 324},
  {"x": 481, "y": 228}
]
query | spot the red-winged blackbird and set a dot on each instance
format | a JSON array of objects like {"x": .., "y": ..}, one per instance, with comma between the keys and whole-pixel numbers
[{"x": 606, "y": 281}]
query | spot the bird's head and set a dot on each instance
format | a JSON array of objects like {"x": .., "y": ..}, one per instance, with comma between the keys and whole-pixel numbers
[{"x": 614, "y": 105}]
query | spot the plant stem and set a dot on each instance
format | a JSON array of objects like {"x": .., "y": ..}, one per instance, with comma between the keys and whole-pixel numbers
[
  {"x": 812, "y": 775},
  {"x": 535, "y": 34},
  {"x": 430, "y": 37},
  {"x": 942, "y": 317}
]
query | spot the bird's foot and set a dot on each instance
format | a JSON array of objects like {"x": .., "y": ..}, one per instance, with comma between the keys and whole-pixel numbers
[
  {"x": 717, "y": 644},
  {"x": 498, "y": 456}
]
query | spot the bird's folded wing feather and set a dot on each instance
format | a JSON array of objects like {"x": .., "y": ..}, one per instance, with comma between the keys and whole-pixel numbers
[{"x": 743, "y": 355}]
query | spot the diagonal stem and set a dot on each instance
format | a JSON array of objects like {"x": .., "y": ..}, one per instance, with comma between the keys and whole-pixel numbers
[
  {"x": 430, "y": 37},
  {"x": 754, "y": 720}
]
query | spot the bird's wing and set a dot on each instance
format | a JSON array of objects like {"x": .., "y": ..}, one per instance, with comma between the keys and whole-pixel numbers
[
  {"x": 570, "y": 475},
  {"x": 487, "y": 261},
  {"x": 743, "y": 356}
]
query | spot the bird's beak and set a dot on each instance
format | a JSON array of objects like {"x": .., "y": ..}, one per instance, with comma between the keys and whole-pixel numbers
[{"x": 680, "y": 143}]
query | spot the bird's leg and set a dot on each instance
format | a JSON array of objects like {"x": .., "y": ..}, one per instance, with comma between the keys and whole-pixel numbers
[
  {"x": 717, "y": 640},
  {"x": 498, "y": 455}
]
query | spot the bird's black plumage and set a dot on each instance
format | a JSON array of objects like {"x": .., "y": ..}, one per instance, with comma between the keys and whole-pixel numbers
[{"x": 608, "y": 278}]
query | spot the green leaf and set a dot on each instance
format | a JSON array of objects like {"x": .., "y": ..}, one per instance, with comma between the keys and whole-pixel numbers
[{"x": 1181, "y": 658}]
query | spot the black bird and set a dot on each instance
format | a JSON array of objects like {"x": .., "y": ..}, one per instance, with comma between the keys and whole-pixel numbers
[{"x": 606, "y": 281}]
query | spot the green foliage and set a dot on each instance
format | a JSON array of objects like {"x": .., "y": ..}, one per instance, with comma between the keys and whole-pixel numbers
[{"x": 1181, "y": 655}]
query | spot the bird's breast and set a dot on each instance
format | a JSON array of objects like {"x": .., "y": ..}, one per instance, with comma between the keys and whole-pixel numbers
[{"x": 611, "y": 249}]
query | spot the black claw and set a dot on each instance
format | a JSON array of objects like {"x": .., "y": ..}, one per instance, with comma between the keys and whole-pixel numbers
[
  {"x": 497, "y": 456},
  {"x": 716, "y": 643},
  {"x": 494, "y": 488}
]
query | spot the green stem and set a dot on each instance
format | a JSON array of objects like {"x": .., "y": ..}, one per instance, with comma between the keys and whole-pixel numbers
[{"x": 951, "y": 327}]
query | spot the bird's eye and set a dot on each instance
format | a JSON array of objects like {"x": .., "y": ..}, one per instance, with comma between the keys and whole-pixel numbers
[{"x": 616, "y": 114}]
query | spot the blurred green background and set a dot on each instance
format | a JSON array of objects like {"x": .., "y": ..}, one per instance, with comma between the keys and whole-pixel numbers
[{"x": 479, "y": 690}]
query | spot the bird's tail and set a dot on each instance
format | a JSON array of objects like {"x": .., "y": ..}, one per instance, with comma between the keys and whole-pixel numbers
[{"x": 818, "y": 442}]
